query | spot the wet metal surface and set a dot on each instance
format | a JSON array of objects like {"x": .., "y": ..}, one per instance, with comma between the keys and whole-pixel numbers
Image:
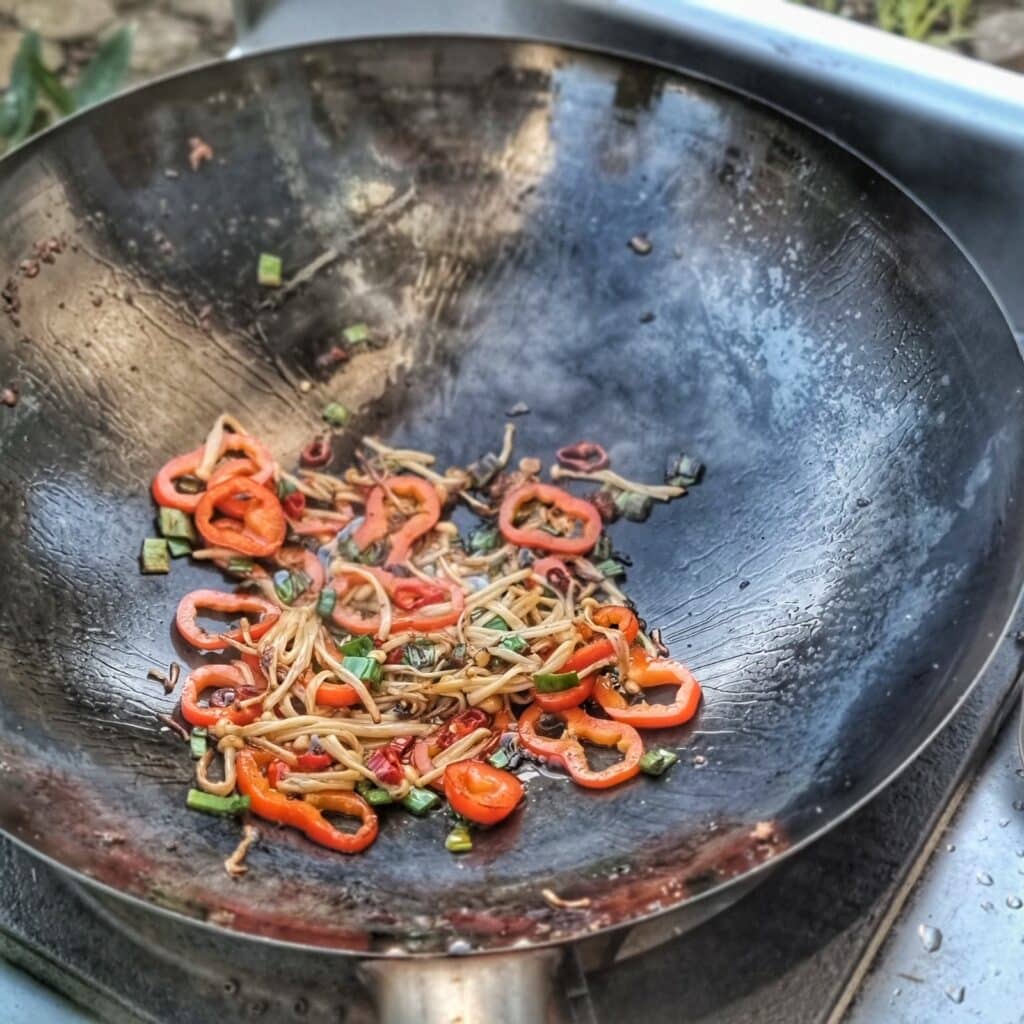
[
  {"x": 973, "y": 895},
  {"x": 817, "y": 340}
]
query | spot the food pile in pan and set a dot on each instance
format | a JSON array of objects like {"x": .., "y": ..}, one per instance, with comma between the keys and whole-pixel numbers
[{"x": 379, "y": 657}]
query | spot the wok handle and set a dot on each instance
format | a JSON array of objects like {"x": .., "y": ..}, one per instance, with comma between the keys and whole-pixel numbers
[{"x": 502, "y": 989}]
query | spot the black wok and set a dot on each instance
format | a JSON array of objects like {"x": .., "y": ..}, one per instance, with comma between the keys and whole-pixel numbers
[{"x": 837, "y": 582}]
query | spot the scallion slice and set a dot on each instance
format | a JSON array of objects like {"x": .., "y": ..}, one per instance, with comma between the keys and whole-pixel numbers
[
  {"x": 197, "y": 741},
  {"x": 357, "y": 647},
  {"x": 657, "y": 761},
  {"x": 499, "y": 759},
  {"x": 178, "y": 548},
  {"x": 268, "y": 272},
  {"x": 241, "y": 566},
  {"x": 419, "y": 656},
  {"x": 356, "y": 334},
  {"x": 420, "y": 801},
  {"x": 515, "y": 643},
  {"x": 326, "y": 601},
  {"x": 175, "y": 523},
  {"x": 375, "y": 796},
  {"x": 611, "y": 569},
  {"x": 555, "y": 682},
  {"x": 459, "y": 840},
  {"x": 197, "y": 800},
  {"x": 367, "y": 669},
  {"x": 156, "y": 557},
  {"x": 633, "y": 506},
  {"x": 483, "y": 539},
  {"x": 335, "y": 414}
]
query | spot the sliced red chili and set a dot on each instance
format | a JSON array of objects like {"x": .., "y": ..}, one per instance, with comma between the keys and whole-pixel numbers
[
  {"x": 312, "y": 762},
  {"x": 584, "y": 457},
  {"x": 229, "y": 604},
  {"x": 376, "y": 525},
  {"x": 215, "y": 677},
  {"x": 294, "y": 505},
  {"x": 534, "y": 537},
  {"x": 253, "y": 523},
  {"x": 317, "y": 453}
]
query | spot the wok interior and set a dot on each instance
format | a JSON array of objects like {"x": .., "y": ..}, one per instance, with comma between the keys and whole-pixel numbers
[{"x": 836, "y": 582}]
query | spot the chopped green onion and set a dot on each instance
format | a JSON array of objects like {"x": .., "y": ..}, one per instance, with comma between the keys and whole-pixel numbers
[
  {"x": 357, "y": 647},
  {"x": 635, "y": 507},
  {"x": 285, "y": 487},
  {"x": 326, "y": 601},
  {"x": 497, "y": 623},
  {"x": 457, "y": 658},
  {"x": 356, "y": 333},
  {"x": 374, "y": 554},
  {"x": 555, "y": 682},
  {"x": 375, "y": 796},
  {"x": 499, "y": 759},
  {"x": 178, "y": 547},
  {"x": 420, "y": 801},
  {"x": 174, "y": 523},
  {"x": 367, "y": 669},
  {"x": 515, "y": 643},
  {"x": 290, "y": 585},
  {"x": 419, "y": 656},
  {"x": 483, "y": 539},
  {"x": 155, "y": 555},
  {"x": 459, "y": 840},
  {"x": 348, "y": 549},
  {"x": 657, "y": 761},
  {"x": 189, "y": 484},
  {"x": 683, "y": 470},
  {"x": 610, "y": 569},
  {"x": 335, "y": 414},
  {"x": 197, "y": 741},
  {"x": 603, "y": 548},
  {"x": 269, "y": 271},
  {"x": 197, "y": 800},
  {"x": 241, "y": 566}
]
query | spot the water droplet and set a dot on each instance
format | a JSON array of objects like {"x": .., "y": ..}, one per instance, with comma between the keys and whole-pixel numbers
[
  {"x": 699, "y": 761},
  {"x": 896, "y": 991},
  {"x": 459, "y": 947},
  {"x": 950, "y": 847},
  {"x": 988, "y": 905},
  {"x": 1014, "y": 902},
  {"x": 1018, "y": 805},
  {"x": 1003, "y": 822},
  {"x": 1020, "y": 773},
  {"x": 863, "y": 502},
  {"x": 984, "y": 878},
  {"x": 1020, "y": 853},
  {"x": 956, "y": 993},
  {"x": 931, "y": 938}
]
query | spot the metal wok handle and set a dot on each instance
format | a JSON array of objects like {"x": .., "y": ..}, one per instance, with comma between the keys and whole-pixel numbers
[{"x": 507, "y": 989}]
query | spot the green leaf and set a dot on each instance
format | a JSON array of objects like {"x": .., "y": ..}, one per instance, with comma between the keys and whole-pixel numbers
[
  {"x": 58, "y": 93},
  {"x": 105, "y": 72},
  {"x": 19, "y": 105}
]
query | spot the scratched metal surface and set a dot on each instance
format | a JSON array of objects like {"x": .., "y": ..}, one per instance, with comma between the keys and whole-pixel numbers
[{"x": 836, "y": 582}]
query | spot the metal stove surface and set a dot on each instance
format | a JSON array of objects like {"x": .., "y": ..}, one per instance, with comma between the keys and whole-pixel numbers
[{"x": 799, "y": 948}]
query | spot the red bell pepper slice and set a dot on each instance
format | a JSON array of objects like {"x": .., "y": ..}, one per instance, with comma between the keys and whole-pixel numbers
[
  {"x": 532, "y": 537},
  {"x": 258, "y": 466},
  {"x": 376, "y": 525},
  {"x": 569, "y": 752},
  {"x": 230, "y": 604},
  {"x": 563, "y": 699},
  {"x": 254, "y": 523},
  {"x": 481, "y": 792},
  {"x": 306, "y": 815},
  {"x": 311, "y": 762},
  {"x": 209, "y": 677},
  {"x": 646, "y": 673},
  {"x": 617, "y": 615},
  {"x": 554, "y": 571},
  {"x": 406, "y": 590}
]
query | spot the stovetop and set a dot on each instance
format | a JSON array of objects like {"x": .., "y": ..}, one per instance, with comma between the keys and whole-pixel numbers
[{"x": 800, "y": 947}]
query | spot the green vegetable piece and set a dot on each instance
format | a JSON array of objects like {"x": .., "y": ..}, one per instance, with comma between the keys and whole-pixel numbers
[
  {"x": 357, "y": 647},
  {"x": 603, "y": 548},
  {"x": 269, "y": 271},
  {"x": 284, "y": 586},
  {"x": 367, "y": 669},
  {"x": 374, "y": 554},
  {"x": 178, "y": 548},
  {"x": 241, "y": 566},
  {"x": 657, "y": 761},
  {"x": 175, "y": 523},
  {"x": 633, "y": 506},
  {"x": 197, "y": 741},
  {"x": 229, "y": 806},
  {"x": 611, "y": 569},
  {"x": 155, "y": 556},
  {"x": 497, "y": 623},
  {"x": 499, "y": 759},
  {"x": 419, "y": 656},
  {"x": 420, "y": 801},
  {"x": 335, "y": 414},
  {"x": 483, "y": 539},
  {"x": 356, "y": 334},
  {"x": 19, "y": 103},
  {"x": 285, "y": 487},
  {"x": 459, "y": 840},
  {"x": 105, "y": 72},
  {"x": 325, "y": 602},
  {"x": 555, "y": 682},
  {"x": 375, "y": 796},
  {"x": 58, "y": 94}
]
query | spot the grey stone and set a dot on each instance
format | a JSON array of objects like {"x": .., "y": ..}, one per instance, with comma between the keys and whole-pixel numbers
[
  {"x": 217, "y": 12},
  {"x": 999, "y": 38},
  {"x": 163, "y": 42},
  {"x": 64, "y": 19}
]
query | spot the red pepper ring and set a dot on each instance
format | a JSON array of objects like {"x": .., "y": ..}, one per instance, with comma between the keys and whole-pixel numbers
[
  {"x": 376, "y": 524},
  {"x": 563, "y": 699},
  {"x": 569, "y": 752},
  {"x": 258, "y": 465},
  {"x": 616, "y": 615},
  {"x": 253, "y": 524},
  {"x": 554, "y": 571},
  {"x": 306, "y": 815},
  {"x": 584, "y": 457},
  {"x": 230, "y": 604},
  {"x": 645, "y": 673},
  {"x": 481, "y": 792},
  {"x": 209, "y": 677},
  {"x": 576, "y": 508},
  {"x": 318, "y": 452}
]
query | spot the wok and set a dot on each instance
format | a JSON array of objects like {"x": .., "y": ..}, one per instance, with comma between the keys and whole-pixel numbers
[{"x": 837, "y": 582}]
